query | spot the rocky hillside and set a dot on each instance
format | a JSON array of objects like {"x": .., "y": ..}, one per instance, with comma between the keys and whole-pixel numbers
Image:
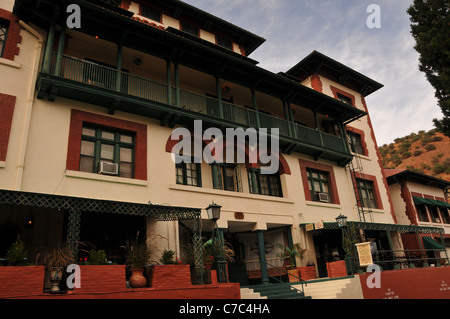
[{"x": 424, "y": 152}]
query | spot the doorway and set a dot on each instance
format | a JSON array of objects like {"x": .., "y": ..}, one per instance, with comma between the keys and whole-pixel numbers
[{"x": 328, "y": 247}]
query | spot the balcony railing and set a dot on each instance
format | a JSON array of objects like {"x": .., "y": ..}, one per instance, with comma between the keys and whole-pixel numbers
[{"x": 104, "y": 77}]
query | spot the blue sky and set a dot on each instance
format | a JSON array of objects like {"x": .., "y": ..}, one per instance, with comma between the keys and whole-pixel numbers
[{"x": 338, "y": 29}]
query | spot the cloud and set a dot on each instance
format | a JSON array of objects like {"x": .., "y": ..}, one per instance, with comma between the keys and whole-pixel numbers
[{"x": 337, "y": 28}]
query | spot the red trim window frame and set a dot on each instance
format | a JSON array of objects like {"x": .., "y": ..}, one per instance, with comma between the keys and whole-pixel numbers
[
  {"x": 376, "y": 190},
  {"x": 362, "y": 137},
  {"x": 78, "y": 118},
  {"x": 337, "y": 92},
  {"x": 304, "y": 165},
  {"x": 13, "y": 37},
  {"x": 7, "y": 103}
]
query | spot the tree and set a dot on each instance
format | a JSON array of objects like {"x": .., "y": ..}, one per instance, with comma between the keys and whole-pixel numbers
[{"x": 430, "y": 27}]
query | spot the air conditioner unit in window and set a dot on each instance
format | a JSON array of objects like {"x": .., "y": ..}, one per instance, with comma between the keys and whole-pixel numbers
[
  {"x": 108, "y": 168},
  {"x": 323, "y": 197}
]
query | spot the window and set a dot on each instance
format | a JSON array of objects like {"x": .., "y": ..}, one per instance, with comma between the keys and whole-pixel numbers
[
  {"x": 354, "y": 141},
  {"x": 150, "y": 13},
  {"x": 344, "y": 99},
  {"x": 367, "y": 194},
  {"x": 318, "y": 183},
  {"x": 422, "y": 212},
  {"x": 264, "y": 184},
  {"x": 189, "y": 173},
  {"x": 189, "y": 28},
  {"x": 445, "y": 215},
  {"x": 224, "y": 42},
  {"x": 227, "y": 177},
  {"x": 103, "y": 145},
  {"x": 434, "y": 214},
  {"x": 3, "y": 35}
]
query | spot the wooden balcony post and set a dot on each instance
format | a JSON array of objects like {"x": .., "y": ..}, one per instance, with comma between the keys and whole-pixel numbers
[
  {"x": 49, "y": 48},
  {"x": 119, "y": 68},
  {"x": 318, "y": 128},
  {"x": 255, "y": 107},
  {"x": 169, "y": 81},
  {"x": 177, "y": 84},
  {"x": 219, "y": 97},
  {"x": 59, "y": 55}
]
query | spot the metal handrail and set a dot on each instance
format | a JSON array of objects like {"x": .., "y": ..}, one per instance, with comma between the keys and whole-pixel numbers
[
  {"x": 280, "y": 270},
  {"x": 408, "y": 256}
]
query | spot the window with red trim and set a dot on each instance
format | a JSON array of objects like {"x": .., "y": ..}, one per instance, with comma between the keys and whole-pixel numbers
[
  {"x": 319, "y": 178},
  {"x": 94, "y": 138}
]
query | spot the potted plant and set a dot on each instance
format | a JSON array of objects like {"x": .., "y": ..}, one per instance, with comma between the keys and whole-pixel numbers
[
  {"x": 137, "y": 258},
  {"x": 290, "y": 253},
  {"x": 167, "y": 257},
  {"x": 56, "y": 259}
]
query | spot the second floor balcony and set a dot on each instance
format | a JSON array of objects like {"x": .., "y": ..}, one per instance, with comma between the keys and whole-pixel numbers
[{"x": 97, "y": 84}]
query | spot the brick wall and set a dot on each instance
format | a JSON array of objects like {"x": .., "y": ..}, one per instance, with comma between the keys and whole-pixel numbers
[{"x": 21, "y": 281}]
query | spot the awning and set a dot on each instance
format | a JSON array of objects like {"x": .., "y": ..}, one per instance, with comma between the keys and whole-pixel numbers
[
  {"x": 420, "y": 200},
  {"x": 430, "y": 243}
]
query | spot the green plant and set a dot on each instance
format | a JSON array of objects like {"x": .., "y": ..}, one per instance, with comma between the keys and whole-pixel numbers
[
  {"x": 168, "y": 257},
  {"x": 417, "y": 153},
  {"x": 430, "y": 147},
  {"x": 212, "y": 250},
  {"x": 97, "y": 257},
  {"x": 16, "y": 254},
  {"x": 57, "y": 256},
  {"x": 138, "y": 255},
  {"x": 290, "y": 252}
]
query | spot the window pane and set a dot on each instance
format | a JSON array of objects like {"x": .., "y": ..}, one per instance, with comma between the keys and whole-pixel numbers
[
  {"x": 126, "y": 170},
  {"x": 87, "y": 164},
  {"x": 151, "y": 13},
  {"x": 126, "y": 138},
  {"x": 107, "y": 151},
  {"x": 3, "y": 32},
  {"x": 229, "y": 179},
  {"x": 126, "y": 154},
  {"x": 87, "y": 148},
  {"x": 107, "y": 135},
  {"x": 88, "y": 131}
]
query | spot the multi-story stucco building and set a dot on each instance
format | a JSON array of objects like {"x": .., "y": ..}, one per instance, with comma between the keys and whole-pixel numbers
[{"x": 87, "y": 116}]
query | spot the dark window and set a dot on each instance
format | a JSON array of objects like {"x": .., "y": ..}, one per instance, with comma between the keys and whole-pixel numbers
[
  {"x": 150, "y": 13},
  {"x": 108, "y": 146},
  {"x": 445, "y": 215},
  {"x": 264, "y": 184},
  {"x": 354, "y": 140},
  {"x": 345, "y": 99},
  {"x": 422, "y": 212},
  {"x": 189, "y": 28},
  {"x": 189, "y": 173},
  {"x": 3, "y": 35},
  {"x": 224, "y": 42},
  {"x": 228, "y": 177},
  {"x": 434, "y": 214},
  {"x": 366, "y": 192},
  {"x": 318, "y": 184}
]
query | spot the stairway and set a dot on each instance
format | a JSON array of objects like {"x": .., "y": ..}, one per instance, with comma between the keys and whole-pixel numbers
[
  {"x": 271, "y": 291},
  {"x": 336, "y": 288}
]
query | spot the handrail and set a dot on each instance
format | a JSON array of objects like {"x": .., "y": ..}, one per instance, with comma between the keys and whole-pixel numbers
[{"x": 280, "y": 270}]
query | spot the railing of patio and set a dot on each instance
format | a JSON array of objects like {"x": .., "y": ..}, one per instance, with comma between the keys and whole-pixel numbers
[{"x": 410, "y": 258}]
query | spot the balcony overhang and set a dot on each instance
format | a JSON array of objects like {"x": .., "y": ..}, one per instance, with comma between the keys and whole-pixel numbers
[{"x": 119, "y": 28}]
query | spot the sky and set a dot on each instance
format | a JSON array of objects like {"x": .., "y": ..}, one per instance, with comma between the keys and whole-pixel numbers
[{"x": 338, "y": 29}]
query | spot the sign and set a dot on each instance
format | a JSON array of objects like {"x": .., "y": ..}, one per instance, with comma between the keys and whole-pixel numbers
[
  {"x": 309, "y": 227},
  {"x": 318, "y": 225},
  {"x": 364, "y": 254}
]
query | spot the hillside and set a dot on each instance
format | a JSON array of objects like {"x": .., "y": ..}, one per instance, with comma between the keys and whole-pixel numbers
[{"x": 424, "y": 152}]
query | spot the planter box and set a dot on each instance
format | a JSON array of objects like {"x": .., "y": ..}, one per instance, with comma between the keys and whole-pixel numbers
[
  {"x": 307, "y": 272},
  {"x": 21, "y": 281},
  {"x": 336, "y": 269},
  {"x": 171, "y": 276},
  {"x": 101, "y": 278}
]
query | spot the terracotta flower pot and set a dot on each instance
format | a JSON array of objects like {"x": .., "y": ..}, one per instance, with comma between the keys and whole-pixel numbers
[
  {"x": 137, "y": 279},
  {"x": 293, "y": 275}
]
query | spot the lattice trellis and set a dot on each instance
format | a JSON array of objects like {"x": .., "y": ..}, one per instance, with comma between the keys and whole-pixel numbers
[{"x": 386, "y": 227}]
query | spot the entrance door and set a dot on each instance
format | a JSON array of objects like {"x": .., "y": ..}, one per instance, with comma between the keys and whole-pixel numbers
[{"x": 328, "y": 246}]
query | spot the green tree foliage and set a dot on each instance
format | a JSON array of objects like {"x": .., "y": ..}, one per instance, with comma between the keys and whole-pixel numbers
[{"x": 430, "y": 27}]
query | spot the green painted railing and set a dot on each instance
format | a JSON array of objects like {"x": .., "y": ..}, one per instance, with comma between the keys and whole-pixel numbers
[{"x": 109, "y": 78}]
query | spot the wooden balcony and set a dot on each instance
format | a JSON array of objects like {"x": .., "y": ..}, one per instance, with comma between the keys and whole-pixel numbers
[{"x": 93, "y": 83}]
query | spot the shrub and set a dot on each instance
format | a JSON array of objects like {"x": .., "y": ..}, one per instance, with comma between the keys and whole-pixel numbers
[
  {"x": 438, "y": 168},
  {"x": 430, "y": 147},
  {"x": 16, "y": 254},
  {"x": 417, "y": 153},
  {"x": 406, "y": 155}
]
